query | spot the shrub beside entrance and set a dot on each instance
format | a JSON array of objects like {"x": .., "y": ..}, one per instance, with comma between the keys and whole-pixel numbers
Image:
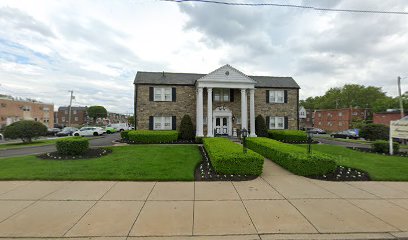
[
  {"x": 149, "y": 136},
  {"x": 72, "y": 146},
  {"x": 293, "y": 158},
  {"x": 228, "y": 158},
  {"x": 288, "y": 136},
  {"x": 382, "y": 146}
]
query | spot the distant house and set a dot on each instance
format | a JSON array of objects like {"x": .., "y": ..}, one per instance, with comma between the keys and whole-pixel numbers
[
  {"x": 333, "y": 120},
  {"x": 79, "y": 116},
  {"x": 305, "y": 118},
  {"x": 385, "y": 117},
  {"x": 218, "y": 102}
]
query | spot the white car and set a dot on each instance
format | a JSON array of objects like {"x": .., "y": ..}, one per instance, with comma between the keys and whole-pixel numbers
[
  {"x": 89, "y": 131},
  {"x": 120, "y": 126},
  {"x": 1, "y": 137}
]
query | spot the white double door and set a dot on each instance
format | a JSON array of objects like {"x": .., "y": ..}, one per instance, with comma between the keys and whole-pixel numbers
[{"x": 222, "y": 125}]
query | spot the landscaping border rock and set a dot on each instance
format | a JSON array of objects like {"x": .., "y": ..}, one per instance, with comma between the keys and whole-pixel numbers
[{"x": 344, "y": 174}]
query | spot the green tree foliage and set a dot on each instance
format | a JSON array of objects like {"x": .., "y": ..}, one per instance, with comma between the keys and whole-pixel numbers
[
  {"x": 186, "y": 128},
  {"x": 131, "y": 120},
  {"x": 353, "y": 95},
  {"x": 26, "y": 130},
  {"x": 260, "y": 126},
  {"x": 95, "y": 112},
  {"x": 374, "y": 132}
]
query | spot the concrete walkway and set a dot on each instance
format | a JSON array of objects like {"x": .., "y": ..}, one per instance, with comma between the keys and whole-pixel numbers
[{"x": 278, "y": 205}]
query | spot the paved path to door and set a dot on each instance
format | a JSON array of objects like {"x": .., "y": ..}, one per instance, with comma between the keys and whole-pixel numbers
[{"x": 278, "y": 205}]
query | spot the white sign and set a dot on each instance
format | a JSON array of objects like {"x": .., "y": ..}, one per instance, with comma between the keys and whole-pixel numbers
[{"x": 398, "y": 129}]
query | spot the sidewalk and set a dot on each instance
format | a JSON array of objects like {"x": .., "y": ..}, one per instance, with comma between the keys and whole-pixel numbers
[{"x": 278, "y": 205}]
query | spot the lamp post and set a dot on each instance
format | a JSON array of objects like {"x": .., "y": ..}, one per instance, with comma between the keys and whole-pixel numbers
[
  {"x": 309, "y": 141},
  {"x": 244, "y": 133}
]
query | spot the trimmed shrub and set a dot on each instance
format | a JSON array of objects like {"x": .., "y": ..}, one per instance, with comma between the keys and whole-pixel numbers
[
  {"x": 288, "y": 136},
  {"x": 374, "y": 132},
  {"x": 124, "y": 135},
  {"x": 260, "y": 126},
  {"x": 293, "y": 158},
  {"x": 382, "y": 146},
  {"x": 152, "y": 136},
  {"x": 26, "y": 130},
  {"x": 199, "y": 140},
  {"x": 186, "y": 128},
  {"x": 228, "y": 158},
  {"x": 72, "y": 146}
]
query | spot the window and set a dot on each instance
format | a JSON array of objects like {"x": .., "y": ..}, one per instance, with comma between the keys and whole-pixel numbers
[
  {"x": 63, "y": 119},
  {"x": 329, "y": 124},
  {"x": 76, "y": 119},
  {"x": 276, "y": 96},
  {"x": 221, "y": 95},
  {"x": 329, "y": 115},
  {"x": 46, "y": 120},
  {"x": 340, "y": 114},
  {"x": 277, "y": 123},
  {"x": 340, "y": 124},
  {"x": 27, "y": 108},
  {"x": 239, "y": 120},
  {"x": 3, "y": 105},
  {"x": 320, "y": 123},
  {"x": 162, "y": 123},
  {"x": 355, "y": 113},
  {"x": 75, "y": 112},
  {"x": 162, "y": 94},
  {"x": 319, "y": 115}
]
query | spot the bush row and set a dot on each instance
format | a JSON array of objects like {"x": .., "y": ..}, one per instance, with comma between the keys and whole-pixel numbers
[
  {"x": 72, "y": 146},
  {"x": 228, "y": 158},
  {"x": 382, "y": 146},
  {"x": 146, "y": 136},
  {"x": 293, "y": 158},
  {"x": 290, "y": 136}
]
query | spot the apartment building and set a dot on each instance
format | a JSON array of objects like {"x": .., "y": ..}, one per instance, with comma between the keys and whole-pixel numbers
[
  {"x": 79, "y": 116},
  {"x": 333, "y": 120}
]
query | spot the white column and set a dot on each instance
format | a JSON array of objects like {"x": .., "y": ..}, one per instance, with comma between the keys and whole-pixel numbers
[
  {"x": 199, "y": 127},
  {"x": 244, "y": 111},
  {"x": 252, "y": 112},
  {"x": 209, "y": 113}
]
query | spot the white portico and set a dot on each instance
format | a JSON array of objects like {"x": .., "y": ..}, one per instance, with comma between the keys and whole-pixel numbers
[{"x": 219, "y": 118}]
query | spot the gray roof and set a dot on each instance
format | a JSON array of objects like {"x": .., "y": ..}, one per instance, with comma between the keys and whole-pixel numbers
[{"x": 168, "y": 78}]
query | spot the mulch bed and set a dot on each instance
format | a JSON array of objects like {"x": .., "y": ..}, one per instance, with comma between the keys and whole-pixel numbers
[
  {"x": 344, "y": 174},
  {"x": 369, "y": 150},
  {"x": 175, "y": 142},
  {"x": 91, "y": 153},
  {"x": 205, "y": 171}
]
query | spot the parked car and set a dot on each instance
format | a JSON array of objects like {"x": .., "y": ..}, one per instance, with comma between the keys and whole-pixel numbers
[
  {"x": 1, "y": 137},
  {"x": 89, "y": 131},
  {"x": 53, "y": 131},
  {"x": 66, "y": 131},
  {"x": 348, "y": 134},
  {"x": 120, "y": 126},
  {"x": 110, "y": 130},
  {"x": 316, "y": 130}
]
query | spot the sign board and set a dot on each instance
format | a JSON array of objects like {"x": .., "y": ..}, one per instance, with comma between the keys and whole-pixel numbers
[{"x": 399, "y": 129}]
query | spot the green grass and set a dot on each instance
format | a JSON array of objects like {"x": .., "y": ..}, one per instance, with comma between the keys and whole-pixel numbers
[
  {"x": 360, "y": 141},
  {"x": 379, "y": 167},
  {"x": 126, "y": 163},
  {"x": 35, "y": 143}
]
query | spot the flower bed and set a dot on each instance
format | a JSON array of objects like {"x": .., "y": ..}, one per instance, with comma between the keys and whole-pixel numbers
[
  {"x": 293, "y": 158},
  {"x": 228, "y": 158},
  {"x": 288, "y": 136}
]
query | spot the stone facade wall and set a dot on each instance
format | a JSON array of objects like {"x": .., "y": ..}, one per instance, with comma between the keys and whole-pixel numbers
[{"x": 186, "y": 104}]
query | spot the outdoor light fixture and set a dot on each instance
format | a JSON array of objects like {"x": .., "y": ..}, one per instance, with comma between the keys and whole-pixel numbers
[
  {"x": 244, "y": 133},
  {"x": 309, "y": 141}
]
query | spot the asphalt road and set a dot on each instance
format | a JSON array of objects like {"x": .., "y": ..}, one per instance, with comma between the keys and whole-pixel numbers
[{"x": 106, "y": 140}]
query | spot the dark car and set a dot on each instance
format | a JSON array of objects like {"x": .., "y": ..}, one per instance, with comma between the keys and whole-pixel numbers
[
  {"x": 316, "y": 130},
  {"x": 52, "y": 131},
  {"x": 348, "y": 134},
  {"x": 66, "y": 131}
]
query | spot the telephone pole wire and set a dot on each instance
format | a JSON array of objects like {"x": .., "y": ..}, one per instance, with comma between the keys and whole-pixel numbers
[{"x": 70, "y": 106}]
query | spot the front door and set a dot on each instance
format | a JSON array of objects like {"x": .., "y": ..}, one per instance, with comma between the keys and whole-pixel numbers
[{"x": 221, "y": 125}]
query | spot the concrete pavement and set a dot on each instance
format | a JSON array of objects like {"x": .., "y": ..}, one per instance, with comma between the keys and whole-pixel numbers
[{"x": 277, "y": 205}]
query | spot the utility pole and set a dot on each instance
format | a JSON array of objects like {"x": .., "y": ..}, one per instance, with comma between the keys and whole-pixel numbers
[
  {"x": 70, "y": 106},
  {"x": 400, "y": 97}
]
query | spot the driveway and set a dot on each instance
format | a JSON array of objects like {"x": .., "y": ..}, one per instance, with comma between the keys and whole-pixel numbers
[
  {"x": 277, "y": 205},
  {"x": 106, "y": 140}
]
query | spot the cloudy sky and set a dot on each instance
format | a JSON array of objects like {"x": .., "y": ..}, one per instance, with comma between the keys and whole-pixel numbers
[{"x": 96, "y": 47}]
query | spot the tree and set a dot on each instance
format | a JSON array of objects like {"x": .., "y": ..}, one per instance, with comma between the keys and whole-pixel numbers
[
  {"x": 260, "y": 126},
  {"x": 374, "y": 132},
  {"x": 186, "y": 128},
  {"x": 95, "y": 112},
  {"x": 26, "y": 130},
  {"x": 131, "y": 120}
]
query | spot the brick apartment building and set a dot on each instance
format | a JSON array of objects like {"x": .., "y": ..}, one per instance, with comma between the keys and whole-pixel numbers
[
  {"x": 78, "y": 116},
  {"x": 13, "y": 110},
  {"x": 385, "y": 117},
  {"x": 333, "y": 120}
]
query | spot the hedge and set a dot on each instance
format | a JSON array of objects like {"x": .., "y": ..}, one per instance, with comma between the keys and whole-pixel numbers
[
  {"x": 72, "y": 145},
  {"x": 381, "y": 146},
  {"x": 293, "y": 158},
  {"x": 288, "y": 136},
  {"x": 125, "y": 135},
  {"x": 152, "y": 136},
  {"x": 228, "y": 157},
  {"x": 374, "y": 132}
]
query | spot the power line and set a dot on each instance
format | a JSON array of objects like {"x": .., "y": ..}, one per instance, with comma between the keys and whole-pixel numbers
[{"x": 290, "y": 6}]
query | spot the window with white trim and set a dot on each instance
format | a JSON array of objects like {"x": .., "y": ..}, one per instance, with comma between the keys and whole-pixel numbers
[
  {"x": 276, "y": 96},
  {"x": 162, "y": 123},
  {"x": 221, "y": 94},
  {"x": 162, "y": 94},
  {"x": 276, "y": 123}
]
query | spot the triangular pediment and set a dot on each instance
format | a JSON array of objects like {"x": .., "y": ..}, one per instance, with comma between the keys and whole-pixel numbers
[{"x": 226, "y": 74}]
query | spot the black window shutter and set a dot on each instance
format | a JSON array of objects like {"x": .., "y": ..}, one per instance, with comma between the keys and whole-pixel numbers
[
  {"x": 151, "y": 123},
  {"x": 267, "y": 122},
  {"x": 286, "y": 123},
  {"x": 173, "y": 94},
  {"x": 173, "y": 122},
  {"x": 285, "y": 95},
  {"x": 267, "y": 96},
  {"x": 231, "y": 95},
  {"x": 150, "y": 93}
]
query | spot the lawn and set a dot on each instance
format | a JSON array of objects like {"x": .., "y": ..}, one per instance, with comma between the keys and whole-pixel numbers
[
  {"x": 360, "y": 141},
  {"x": 35, "y": 143},
  {"x": 126, "y": 163},
  {"x": 379, "y": 167}
]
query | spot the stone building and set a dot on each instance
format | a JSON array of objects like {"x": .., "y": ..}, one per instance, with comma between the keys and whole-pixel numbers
[
  {"x": 218, "y": 103},
  {"x": 13, "y": 110}
]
